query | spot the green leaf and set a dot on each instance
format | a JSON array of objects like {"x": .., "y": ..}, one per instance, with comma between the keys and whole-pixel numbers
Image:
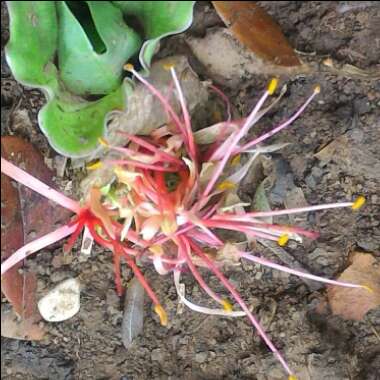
[
  {"x": 91, "y": 41},
  {"x": 159, "y": 19},
  {"x": 82, "y": 69},
  {"x": 81, "y": 124},
  {"x": 33, "y": 42}
]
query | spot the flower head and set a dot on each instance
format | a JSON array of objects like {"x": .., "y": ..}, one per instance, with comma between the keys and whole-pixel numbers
[{"x": 169, "y": 200}]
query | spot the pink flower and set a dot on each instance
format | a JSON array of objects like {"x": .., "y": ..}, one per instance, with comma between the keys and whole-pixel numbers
[{"x": 169, "y": 200}]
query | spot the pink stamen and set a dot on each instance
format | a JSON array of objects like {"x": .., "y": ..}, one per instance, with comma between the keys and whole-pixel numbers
[
  {"x": 237, "y": 137},
  {"x": 140, "y": 277},
  {"x": 188, "y": 131},
  {"x": 161, "y": 98},
  {"x": 298, "y": 273},
  {"x": 69, "y": 245},
  {"x": 278, "y": 128},
  {"x": 225, "y": 99},
  {"x": 141, "y": 165},
  {"x": 262, "y": 214},
  {"x": 37, "y": 245},
  {"x": 242, "y": 304},
  {"x": 163, "y": 239},
  {"x": 39, "y": 187},
  {"x": 186, "y": 250},
  {"x": 204, "y": 238},
  {"x": 274, "y": 227},
  {"x": 147, "y": 145},
  {"x": 240, "y": 228}
]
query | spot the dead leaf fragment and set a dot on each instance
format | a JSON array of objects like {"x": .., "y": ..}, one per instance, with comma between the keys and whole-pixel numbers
[
  {"x": 352, "y": 303},
  {"x": 133, "y": 318},
  {"x": 256, "y": 29},
  {"x": 238, "y": 63},
  {"x": 25, "y": 216},
  {"x": 16, "y": 328}
]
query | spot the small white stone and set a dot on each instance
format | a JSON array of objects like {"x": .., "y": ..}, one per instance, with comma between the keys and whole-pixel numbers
[{"x": 62, "y": 302}]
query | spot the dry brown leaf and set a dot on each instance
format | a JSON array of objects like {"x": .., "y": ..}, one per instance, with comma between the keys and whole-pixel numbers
[
  {"x": 352, "y": 303},
  {"x": 25, "y": 216},
  {"x": 256, "y": 29},
  {"x": 16, "y": 328}
]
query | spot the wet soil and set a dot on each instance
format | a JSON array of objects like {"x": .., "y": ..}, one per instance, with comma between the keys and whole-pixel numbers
[{"x": 317, "y": 344}]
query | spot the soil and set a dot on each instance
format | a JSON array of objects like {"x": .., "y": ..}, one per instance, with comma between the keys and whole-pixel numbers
[{"x": 317, "y": 344}]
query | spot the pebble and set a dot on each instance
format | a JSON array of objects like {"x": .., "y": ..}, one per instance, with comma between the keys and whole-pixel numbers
[
  {"x": 62, "y": 302},
  {"x": 158, "y": 355},
  {"x": 201, "y": 357}
]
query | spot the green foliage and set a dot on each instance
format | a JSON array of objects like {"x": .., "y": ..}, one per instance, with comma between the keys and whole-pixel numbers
[{"x": 75, "y": 51}]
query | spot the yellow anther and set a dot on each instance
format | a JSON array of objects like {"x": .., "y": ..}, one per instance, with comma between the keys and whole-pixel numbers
[
  {"x": 95, "y": 165},
  {"x": 317, "y": 89},
  {"x": 168, "y": 66},
  {"x": 282, "y": 240},
  {"x": 367, "y": 288},
  {"x": 226, "y": 185},
  {"x": 128, "y": 67},
  {"x": 227, "y": 306},
  {"x": 359, "y": 202},
  {"x": 272, "y": 86},
  {"x": 168, "y": 226},
  {"x": 292, "y": 377},
  {"x": 159, "y": 310},
  {"x": 236, "y": 160},
  {"x": 157, "y": 250},
  {"x": 103, "y": 141}
]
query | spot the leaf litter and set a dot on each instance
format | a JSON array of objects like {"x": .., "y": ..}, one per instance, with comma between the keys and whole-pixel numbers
[{"x": 25, "y": 216}]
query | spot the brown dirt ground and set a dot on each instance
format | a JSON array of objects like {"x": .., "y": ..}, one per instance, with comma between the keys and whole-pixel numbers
[{"x": 317, "y": 345}]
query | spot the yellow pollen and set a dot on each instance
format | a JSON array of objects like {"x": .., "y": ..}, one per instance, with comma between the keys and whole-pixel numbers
[
  {"x": 103, "y": 141},
  {"x": 168, "y": 226},
  {"x": 128, "y": 67},
  {"x": 292, "y": 377},
  {"x": 168, "y": 66},
  {"x": 272, "y": 86},
  {"x": 367, "y": 288},
  {"x": 236, "y": 160},
  {"x": 317, "y": 89},
  {"x": 358, "y": 203},
  {"x": 227, "y": 306},
  {"x": 95, "y": 165},
  {"x": 226, "y": 185},
  {"x": 156, "y": 249},
  {"x": 282, "y": 240},
  {"x": 159, "y": 310}
]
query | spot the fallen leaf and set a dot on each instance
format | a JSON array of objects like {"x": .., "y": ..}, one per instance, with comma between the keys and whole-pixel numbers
[
  {"x": 16, "y": 328},
  {"x": 238, "y": 63},
  {"x": 133, "y": 318},
  {"x": 256, "y": 29},
  {"x": 25, "y": 216},
  {"x": 352, "y": 303}
]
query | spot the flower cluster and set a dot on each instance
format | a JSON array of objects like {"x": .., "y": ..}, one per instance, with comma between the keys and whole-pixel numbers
[{"x": 171, "y": 197}]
